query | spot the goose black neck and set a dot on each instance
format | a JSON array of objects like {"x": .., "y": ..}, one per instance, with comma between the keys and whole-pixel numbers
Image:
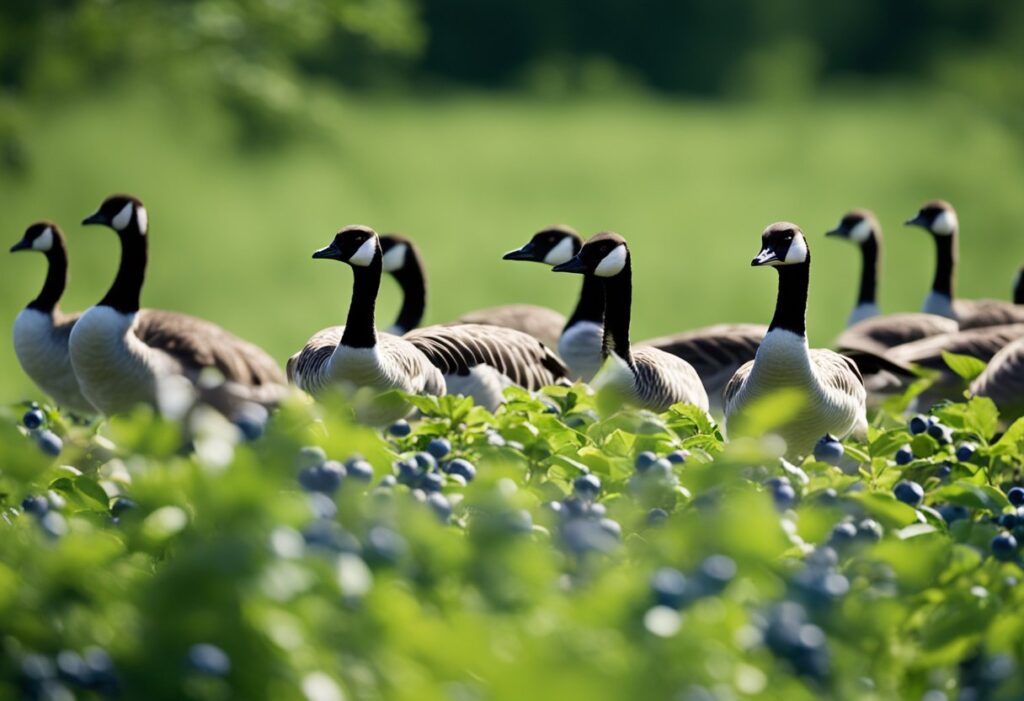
[
  {"x": 360, "y": 330},
  {"x": 870, "y": 252},
  {"x": 618, "y": 300},
  {"x": 1018, "y": 291},
  {"x": 791, "y": 304},
  {"x": 411, "y": 279},
  {"x": 56, "y": 278},
  {"x": 945, "y": 264},
  {"x": 124, "y": 294},
  {"x": 590, "y": 306}
]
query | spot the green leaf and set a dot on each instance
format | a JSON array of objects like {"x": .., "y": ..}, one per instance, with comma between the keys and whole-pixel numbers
[
  {"x": 974, "y": 496},
  {"x": 91, "y": 489},
  {"x": 966, "y": 366}
]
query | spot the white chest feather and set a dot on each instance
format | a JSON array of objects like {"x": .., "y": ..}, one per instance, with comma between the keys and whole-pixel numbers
[
  {"x": 782, "y": 353},
  {"x": 862, "y": 311},
  {"x": 42, "y": 351},
  {"x": 580, "y": 348},
  {"x": 938, "y": 303},
  {"x": 616, "y": 375}
]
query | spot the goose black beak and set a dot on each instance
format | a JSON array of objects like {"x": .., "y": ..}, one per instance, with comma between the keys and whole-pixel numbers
[
  {"x": 838, "y": 231},
  {"x": 573, "y": 265},
  {"x": 95, "y": 218},
  {"x": 527, "y": 252},
  {"x": 22, "y": 245},
  {"x": 917, "y": 221},
  {"x": 765, "y": 257},
  {"x": 330, "y": 251}
]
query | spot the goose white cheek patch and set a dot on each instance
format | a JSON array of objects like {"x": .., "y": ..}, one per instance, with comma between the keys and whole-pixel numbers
[
  {"x": 613, "y": 263},
  {"x": 561, "y": 253},
  {"x": 945, "y": 224},
  {"x": 364, "y": 256},
  {"x": 142, "y": 219},
  {"x": 121, "y": 219},
  {"x": 861, "y": 231},
  {"x": 43, "y": 242},
  {"x": 394, "y": 259},
  {"x": 797, "y": 252}
]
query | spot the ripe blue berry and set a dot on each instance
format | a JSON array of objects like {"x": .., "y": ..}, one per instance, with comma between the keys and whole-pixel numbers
[
  {"x": 842, "y": 533},
  {"x": 587, "y": 486},
  {"x": 910, "y": 493},
  {"x": 209, "y": 659},
  {"x": 1004, "y": 546},
  {"x": 784, "y": 496},
  {"x": 432, "y": 482},
  {"x": 644, "y": 460},
  {"x": 440, "y": 505},
  {"x": 918, "y": 424},
  {"x": 359, "y": 469},
  {"x": 937, "y": 431},
  {"x": 678, "y": 457},
  {"x": 311, "y": 455},
  {"x": 904, "y": 455},
  {"x": 965, "y": 452},
  {"x": 869, "y": 529},
  {"x": 1016, "y": 496},
  {"x": 439, "y": 447},
  {"x": 49, "y": 442},
  {"x": 829, "y": 450},
  {"x": 400, "y": 428},
  {"x": 656, "y": 517},
  {"x": 33, "y": 419},
  {"x": 425, "y": 460},
  {"x": 35, "y": 505},
  {"x": 462, "y": 467},
  {"x": 323, "y": 478},
  {"x": 669, "y": 587}
]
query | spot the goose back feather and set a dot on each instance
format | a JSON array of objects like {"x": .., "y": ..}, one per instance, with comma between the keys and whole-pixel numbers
[{"x": 1003, "y": 381}]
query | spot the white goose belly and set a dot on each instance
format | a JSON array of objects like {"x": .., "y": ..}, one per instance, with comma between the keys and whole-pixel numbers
[
  {"x": 42, "y": 350},
  {"x": 115, "y": 370},
  {"x": 580, "y": 348}
]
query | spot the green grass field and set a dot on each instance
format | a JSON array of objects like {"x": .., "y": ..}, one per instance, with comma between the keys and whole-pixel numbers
[{"x": 690, "y": 185}]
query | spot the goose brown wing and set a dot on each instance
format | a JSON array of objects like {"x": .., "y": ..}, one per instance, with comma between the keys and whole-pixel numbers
[
  {"x": 978, "y": 313},
  {"x": 1003, "y": 380},
  {"x": 410, "y": 362},
  {"x": 880, "y": 333},
  {"x": 456, "y": 349},
  {"x": 981, "y": 343},
  {"x": 733, "y": 387},
  {"x": 709, "y": 350},
  {"x": 663, "y": 379},
  {"x": 308, "y": 362},
  {"x": 838, "y": 372},
  {"x": 196, "y": 344},
  {"x": 540, "y": 322}
]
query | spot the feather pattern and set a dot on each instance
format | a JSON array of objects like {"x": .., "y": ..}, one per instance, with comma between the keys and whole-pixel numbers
[
  {"x": 878, "y": 334},
  {"x": 540, "y": 322},
  {"x": 656, "y": 380},
  {"x": 1003, "y": 381},
  {"x": 41, "y": 345}
]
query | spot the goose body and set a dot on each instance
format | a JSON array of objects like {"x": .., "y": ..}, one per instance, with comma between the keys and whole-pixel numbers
[
  {"x": 354, "y": 356},
  {"x": 1003, "y": 381},
  {"x": 41, "y": 330},
  {"x": 403, "y": 261},
  {"x": 715, "y": 352},
  {"x": 644, "y": 376},
  {"x": 124, "y": 356},
  {"x": 829, "y": 384}
]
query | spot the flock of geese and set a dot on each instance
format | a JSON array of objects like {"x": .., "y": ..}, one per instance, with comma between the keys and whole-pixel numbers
[{"x": 116, "y": 354}]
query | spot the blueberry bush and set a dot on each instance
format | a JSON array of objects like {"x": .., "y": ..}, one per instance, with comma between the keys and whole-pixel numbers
[{"x": 555, "y": 549}]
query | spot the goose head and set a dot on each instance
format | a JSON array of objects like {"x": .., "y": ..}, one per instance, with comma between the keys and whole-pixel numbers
[
  {"x": 857, "y": 226},
  {"x": 603, "y": 255},
  {"x": 41, "y": 236},
  {"x": 397, "y": 252},
  {"x": 782, "y": 244},
  {"x": 937, "y": 217},
  {"x": 122, "y": 213},
  {"x": 356, "y": 245},
  {"x": 552, "y": 246}
]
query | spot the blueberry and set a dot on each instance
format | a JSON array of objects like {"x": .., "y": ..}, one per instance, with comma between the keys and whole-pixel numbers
[
  {"x": 918, "y": 424},
  {"x": 597, "y": 510},
  {"x": 37, "y": 668},
  {"x": 209, "y": 659},
  {"x": 904, "y": 455},
  {"x": 715, "y": 573},
  {"x": 829, "y": 450},
  {"x": 120, "y": 505},
  {"x": 910, "y": 493},
  {"x": 72, "y": 668},
  {"x": 669, "y": 587},
  {"x": 1004, "y": 546},
  {"x": 359, "y": 469},
  {"x": 842, "y": 533},
  {"x": 310, "y": 455},
  {"x": 611, "y": 527},
  {"x": 951, "y": 513},
  {"x": 555, "y": 507},
  {"x": 644, "y": 460},
  {"x": 409, "y": 471},
  {"x": 784, "y": 496},
  {"x": 53, "y": 524},
  {"x": 384, "y": 544},
  {"x": 937, "y": 431},
  {"x": 400, "y": 428},
  {"x": 1008, "y": 521},
  {"x": 426, "y": 461},
  {"x": 323, "y": 478},
  {"x": 440, "y": 506},
  {"x": 1016, "y": 496},
  {"x": 656, "y": 517},
  {"x": 432, "y": 482},
  {"x": 678, "y": 457},
  {"x": 575, "y": 507},
  {"x": 388, "y": 481},
  {"x": 250, "y": 427},
  {"x": 869, "y": 529},
  {"x": 774, "y": 483},
  {"x": 35, "y": 505},
  {"x": 944, "y": 471},
  {"x": 439, "y": 447},
  {"x": 587, "y": 486},
  {"x": 33, "y": 419},
  {"x": 462, "y": 467},
  {"x": 965, "y": 452},
  {"x": 102, "y": 675},
  {"x": 50, "y": 442}
]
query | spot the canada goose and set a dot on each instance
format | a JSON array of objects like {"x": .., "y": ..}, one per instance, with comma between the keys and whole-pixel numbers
[
  {"x": 41, "y": 330},
  {"x": 355, "y": 355},
  {"x": 938, "y": 218},
  {"x": 867, "y": 331},
  {"x": 1003, "y": 381},
  {"x": 124, "y": 356},
  {"x": 474, "y": 360},
  {"x": 648, "y": 377},
  {"x": 715, "y": 352},
  {"x": 830, "y": 384},
  {"x": 1018, "y": 287},
  {"x": 403, "y": 260}
]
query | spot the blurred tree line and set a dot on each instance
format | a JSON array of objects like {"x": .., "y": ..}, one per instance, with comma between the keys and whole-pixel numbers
[{"x": 254, "y": 55}]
